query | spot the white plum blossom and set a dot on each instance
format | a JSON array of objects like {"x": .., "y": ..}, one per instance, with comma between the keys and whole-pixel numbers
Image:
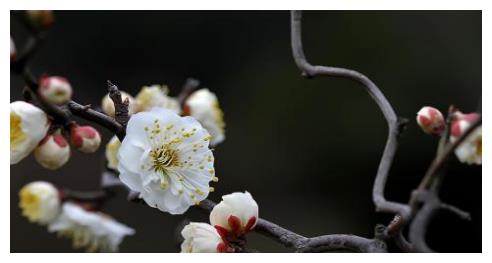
[
  {"x": 28, "y": 126},
  {"x": 431, "y": 120},
  {"x": 201, "y": 238},
  {"x": 155, "y": 96},
  {"x": 107, "y": 104},
  {"x": 55, "y": 90},
  {"x": 85, "y": 138},
  {"x": 237, "y": 213},
  {"x": 112, "y": 152},
  {"x": 203, "y": 105},
  {"x": 39, "y": 202},
  {"x": 94, "y": 231},
  {"x": 470, "y": 150},
  {"x": 53, "y": 151},
  {"x": 165, "y": 157}
]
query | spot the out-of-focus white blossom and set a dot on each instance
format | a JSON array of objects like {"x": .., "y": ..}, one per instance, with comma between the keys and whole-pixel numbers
[
  {"x": 201, "y": 238},
  {"x": 107, "y": 104},
  {"x": 55, "y": 90},
  {"x": 470, "y": 150},
  {"x": 203, "y": 105},
  {"x": 85, "y": 138},
  {"x": 39, "y": 202},
  {"x": 165, "y": 157},
  {"x": 155, "y": 96},
  {"x": 112, "y": 152},
  {"x": 236, "y": 213},
  {"x": 28, "y": 126},
  {"x": 91, "y": 230},
  {"x": 53, "y": 151},
  {"x": 42, "y": 19},
  {"x": 431, "y": 120}
]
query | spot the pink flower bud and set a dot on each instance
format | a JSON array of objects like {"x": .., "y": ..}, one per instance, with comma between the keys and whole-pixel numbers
[
  {"x": 53, "y": 151},
  {"x": 85, "y": 138},
  {"x": 431, "y": 120},
  {"x": 55, "y": 90}
]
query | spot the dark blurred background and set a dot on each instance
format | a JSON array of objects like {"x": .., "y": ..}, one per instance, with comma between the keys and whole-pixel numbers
[{"x": 307, "y": 150}]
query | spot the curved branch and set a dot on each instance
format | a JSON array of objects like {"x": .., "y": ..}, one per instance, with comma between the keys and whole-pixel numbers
[
  {"x": 343, "y": 242},
  {"x": 314, "y": 244},
  {"x": 395, "y": 124}
]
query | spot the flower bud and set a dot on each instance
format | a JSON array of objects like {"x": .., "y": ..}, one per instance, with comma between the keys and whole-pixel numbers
[
  {"x": 431, "y": 120},
  {"x": 85, "y": 138},
  {"x": 55, "y": 90},
  {"x": 108, "y": 105},
  {"x": 202, "y": 238},
  {"x": 12, "y": 50},
  {"x": 203, "y": 105},
  {"x": 53, "y": 151},
  {"x": 236, "y": 214},
  {"x": 39, "y": 202},
  {"x": 40, "y": 19},
  {"x": 470, "y": 150},
  {"x": 28, "y": 126}
]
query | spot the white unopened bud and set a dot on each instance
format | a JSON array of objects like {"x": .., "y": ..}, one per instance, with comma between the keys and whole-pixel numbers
[
  {"x": 108, "y": 105},
  {"x": 39, "y": 202},
  {"x": 41, "y": 19},
  {"x": 202, "y": 238},
  {"x": 431, "y": 120},
  {"x": 85, "y": 138},
  {"x": 470, "y": 150},
  {"x": 236, "y": 214},
  {"x": 55, "y": 90},
  {"x": 53, "y": 151}
]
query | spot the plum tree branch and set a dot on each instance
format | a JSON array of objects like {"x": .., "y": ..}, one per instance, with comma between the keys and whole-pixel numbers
[{"x": 395, "y": 124}]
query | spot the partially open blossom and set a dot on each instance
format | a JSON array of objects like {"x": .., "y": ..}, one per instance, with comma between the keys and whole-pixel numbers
[
  {"x": 204, "y": 106},
  {"x": 236, "y": 214},
  {"x": 39, "y": 202},
  {"x": 155, "y": 96},
  {"x": 12, "y": 50},
  {"x": 53, "y": 151},
  {"x": 165, "y": 157},
  {"x": 55, "y": 90},
  {"x": 201, "y": 238},
  {"x": 107, "y": 104},
  {"x": 85, "y": 138},
  {"x": 93, "y": 231},
  {"x": 42, "y": 19},
  {"x": 431, "y": 120},
  {"x": 470, "y": 150},
  {"x": 112, "y": 152},
  {"x": 28, "y": 126}
]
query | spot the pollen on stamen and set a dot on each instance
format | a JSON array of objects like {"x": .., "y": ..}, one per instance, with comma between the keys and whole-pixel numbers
[
  {"x": 211, "y": 189},
  {"x": 215, "y": 179}
]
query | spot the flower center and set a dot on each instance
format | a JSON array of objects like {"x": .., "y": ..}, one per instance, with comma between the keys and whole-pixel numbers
[
  {"x": 16, "y": 134},
  {"x": 163, "y": 158}
]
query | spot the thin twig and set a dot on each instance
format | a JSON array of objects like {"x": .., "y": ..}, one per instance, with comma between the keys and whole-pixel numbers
[{"x": 395, "y": 124}]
